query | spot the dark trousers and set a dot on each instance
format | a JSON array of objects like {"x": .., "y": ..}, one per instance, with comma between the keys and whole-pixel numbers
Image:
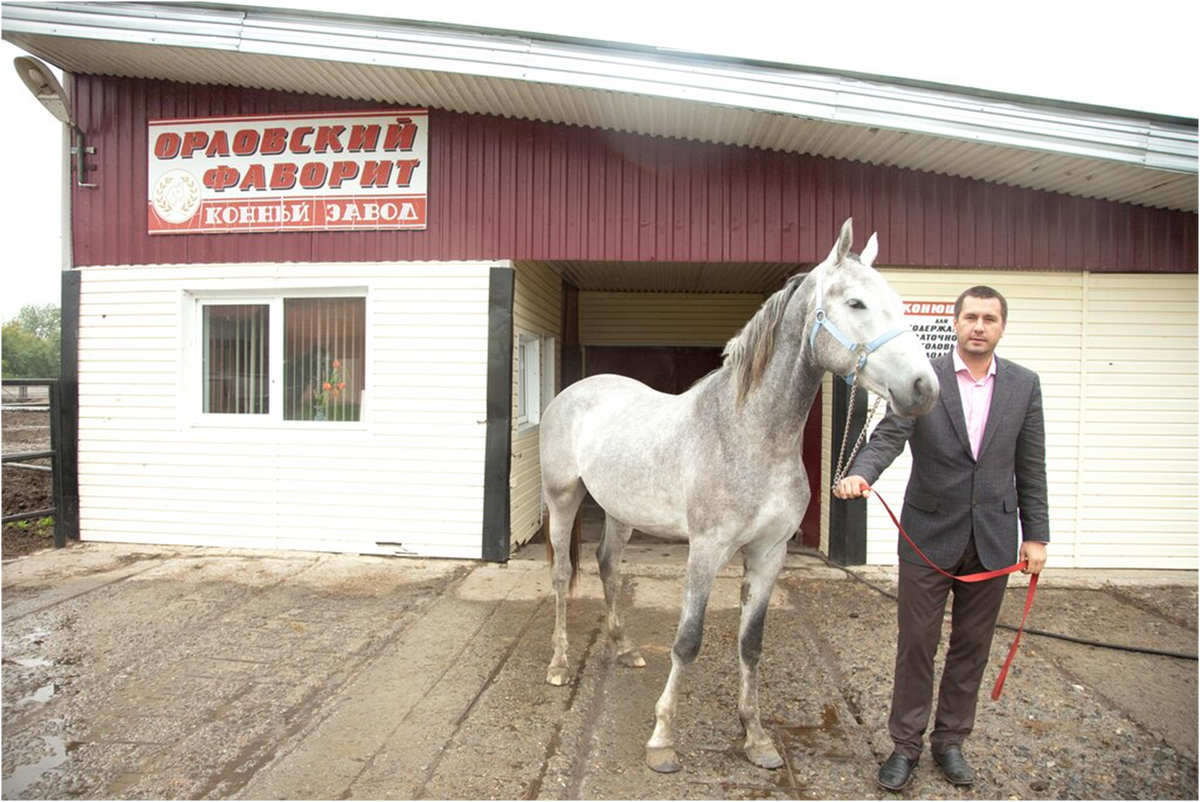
[{"x": 923, "y": 593}]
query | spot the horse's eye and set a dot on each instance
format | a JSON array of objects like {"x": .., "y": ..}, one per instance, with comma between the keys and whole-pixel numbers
[{"x": 856, "y": 304}]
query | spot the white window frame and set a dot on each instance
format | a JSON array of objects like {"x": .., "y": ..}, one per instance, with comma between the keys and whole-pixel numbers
[
  {"x": 548, "y": 373},
  {"x": 192, "y": 402},
  {"x": 529, "y": 363}
]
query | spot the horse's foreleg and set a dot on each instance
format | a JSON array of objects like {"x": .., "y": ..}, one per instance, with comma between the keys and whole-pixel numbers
[
  {"x": 608, "y": 553},
  {"x": 702, "y": 568},
  {"x": 762, "y": 568},
  {"x": 562, "y": 516}
]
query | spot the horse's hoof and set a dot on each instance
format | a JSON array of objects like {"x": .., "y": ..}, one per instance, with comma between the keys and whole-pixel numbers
[
  {"x": 557, "y": 676},
  {"x": 767, "y": 758},
  {"x": 631, "y": 659},
  {"x": 662, "y": 759}
]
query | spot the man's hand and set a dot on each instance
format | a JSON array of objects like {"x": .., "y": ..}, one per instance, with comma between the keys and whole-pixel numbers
[
  {"x": 852, "y": 487},
  {"x": 1035, "y": 553}
]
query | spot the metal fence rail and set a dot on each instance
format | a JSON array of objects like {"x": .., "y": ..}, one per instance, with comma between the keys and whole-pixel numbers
[
  {"x": 34, "y": 397},
  {"x": 55, "y": 454}
]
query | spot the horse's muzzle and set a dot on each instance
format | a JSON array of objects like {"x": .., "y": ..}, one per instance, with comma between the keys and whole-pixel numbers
[{"x": 915, "y": 398}]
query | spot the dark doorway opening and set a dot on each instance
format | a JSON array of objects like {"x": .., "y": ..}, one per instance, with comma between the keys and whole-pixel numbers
[
  {"x": 668, "y": 369},
  {"x": 673, "y": 369}
]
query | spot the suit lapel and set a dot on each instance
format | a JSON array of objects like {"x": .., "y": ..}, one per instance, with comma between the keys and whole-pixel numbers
[
  {"x": 1002, "y": 391},
  {"x": 952, "y": 401}
]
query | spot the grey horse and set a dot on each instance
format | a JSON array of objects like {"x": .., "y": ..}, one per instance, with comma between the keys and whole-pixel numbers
[{"x": 720, "y": 464}]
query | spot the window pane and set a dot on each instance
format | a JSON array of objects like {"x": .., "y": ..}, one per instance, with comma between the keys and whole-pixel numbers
[
  {"x": 236, "y": 339},
  {"x": 522, "y": 370},
  {"x": 528, "y": 383},
  {"x": 324, "y": 356}
]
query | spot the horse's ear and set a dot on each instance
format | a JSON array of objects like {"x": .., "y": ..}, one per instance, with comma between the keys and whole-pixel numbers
[
  {"x": 870, "y": 251},
  {"x": 842, "y": 247}
]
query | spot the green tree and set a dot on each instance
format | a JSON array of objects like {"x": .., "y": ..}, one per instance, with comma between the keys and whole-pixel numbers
[
  {"x": 42, "y": 321},
  {"x": 30, "y": 345}
]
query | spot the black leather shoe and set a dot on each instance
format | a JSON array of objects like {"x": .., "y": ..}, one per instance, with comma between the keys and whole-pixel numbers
[
  {"x": 896, "y": 771},
  {"x": 955, "y": 766}
]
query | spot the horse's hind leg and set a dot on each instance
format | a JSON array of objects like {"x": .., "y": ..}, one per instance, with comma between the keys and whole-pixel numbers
[
  {"x": 762, "y": 568},
  {"x": 702, "y": 568},
  {"x": 608, "y": 553},
  {"x": 564, "y": 506}
]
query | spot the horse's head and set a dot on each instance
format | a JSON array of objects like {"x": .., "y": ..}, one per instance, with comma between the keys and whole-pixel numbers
[{"x": 857, "y": 324}]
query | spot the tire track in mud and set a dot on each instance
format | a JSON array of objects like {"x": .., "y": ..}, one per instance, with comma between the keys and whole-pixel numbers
[
  {"x": 1151, "y": 609},
  {"x": 9, "y": 620},
  {"x": 62, "y": 605},
  {"x": 824, "y": 648},
  {"x": 307, "y": 714},
  {"x": 484, "y": 687},
  {"x": 555, "y": 746},
  {"x": 235, "y": 773}
]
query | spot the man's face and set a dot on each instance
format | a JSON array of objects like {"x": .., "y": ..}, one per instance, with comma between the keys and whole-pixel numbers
[{"x": 979, "y": 326}]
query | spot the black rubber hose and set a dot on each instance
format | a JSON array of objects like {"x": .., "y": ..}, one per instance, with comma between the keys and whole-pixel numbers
[{"x": 1040, "y": 632}]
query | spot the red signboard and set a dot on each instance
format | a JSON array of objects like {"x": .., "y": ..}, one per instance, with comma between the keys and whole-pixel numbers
[{"x": 313, "y": 172}]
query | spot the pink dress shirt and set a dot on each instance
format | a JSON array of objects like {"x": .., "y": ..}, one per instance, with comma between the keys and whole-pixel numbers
[{"x": 976, "y": 399}]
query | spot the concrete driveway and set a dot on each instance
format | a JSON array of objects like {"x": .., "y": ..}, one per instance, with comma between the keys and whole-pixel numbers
[{"x": 140, "y": 671}]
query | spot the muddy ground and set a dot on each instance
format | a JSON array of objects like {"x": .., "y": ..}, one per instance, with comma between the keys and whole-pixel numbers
[
  {"x": 150, "y": 672},
  {"x": 25, "y": 489}
]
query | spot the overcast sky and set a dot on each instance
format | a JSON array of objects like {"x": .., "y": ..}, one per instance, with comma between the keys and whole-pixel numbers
[{"x": 1138, "y": 56}]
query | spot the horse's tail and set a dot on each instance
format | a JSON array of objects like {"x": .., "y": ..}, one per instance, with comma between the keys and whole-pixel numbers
[{"x": 576, "y": 543}]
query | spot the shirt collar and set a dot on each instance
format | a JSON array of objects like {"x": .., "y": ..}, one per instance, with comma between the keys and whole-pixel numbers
[{"x": 960, "y": 366}]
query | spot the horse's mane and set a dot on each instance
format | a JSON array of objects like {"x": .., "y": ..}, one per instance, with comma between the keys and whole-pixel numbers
[{"x": 749, "y": 352}]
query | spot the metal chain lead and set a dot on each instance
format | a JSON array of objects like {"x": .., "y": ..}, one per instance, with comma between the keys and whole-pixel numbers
[
  {"x": 843, "y": 465},
  {"x": 839, "y": 473}
]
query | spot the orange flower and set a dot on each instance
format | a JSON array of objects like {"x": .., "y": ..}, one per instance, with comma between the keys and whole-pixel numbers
[
  {"x": 336, "y": 364},
  {"x": 341, "y": 385},
  {"x": 326, "y": 386}
]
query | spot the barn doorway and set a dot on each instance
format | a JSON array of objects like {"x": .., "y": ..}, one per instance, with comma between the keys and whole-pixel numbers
[
  {"x": 668, "y": 369},
  {"x": 673, "y": 369}
]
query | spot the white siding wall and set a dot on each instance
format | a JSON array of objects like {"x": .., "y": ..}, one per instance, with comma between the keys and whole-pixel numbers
[
  {"x": 1138, "y": 423},
  {"x": 537, "y": 309},
  {"x": 410, "y": 474},
  {"x": 653, "y": 318},
  {"x": 1117, "y": 359}
]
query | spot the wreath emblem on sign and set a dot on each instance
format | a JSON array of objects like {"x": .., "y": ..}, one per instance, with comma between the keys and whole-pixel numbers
[{"x": 176, "y": 196}]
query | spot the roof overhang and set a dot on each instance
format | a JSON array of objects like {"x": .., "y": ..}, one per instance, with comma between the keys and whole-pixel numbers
[{"x": 1091, "y": 152}]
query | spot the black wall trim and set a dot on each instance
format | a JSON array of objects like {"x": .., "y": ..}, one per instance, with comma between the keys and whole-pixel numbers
[
  {"x": 68, "y": 406},
  {"x": 497, "y": 461},
  {"x": 847, "y": 519}
]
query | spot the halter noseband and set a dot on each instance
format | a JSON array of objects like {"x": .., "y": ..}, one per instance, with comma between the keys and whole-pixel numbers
[{"x": 862, "y": 350}]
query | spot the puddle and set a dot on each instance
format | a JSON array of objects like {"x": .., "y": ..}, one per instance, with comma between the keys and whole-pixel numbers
[
  {"x": 826, "y": 739},
  {"x": 24, "y": 776},
  {"x": 40, "y": 696},
  {"x": 32, "y": 662}
]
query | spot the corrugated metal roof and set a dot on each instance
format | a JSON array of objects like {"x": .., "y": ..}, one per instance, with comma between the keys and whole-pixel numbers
[{"x": 1097, "y": 153}]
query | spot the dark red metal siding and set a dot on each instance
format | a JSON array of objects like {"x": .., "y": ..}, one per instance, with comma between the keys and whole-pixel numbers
[{"x": 513, "y": 189}]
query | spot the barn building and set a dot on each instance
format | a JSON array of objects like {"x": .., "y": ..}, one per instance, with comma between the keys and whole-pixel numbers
[{"x": 325, "y": 272}]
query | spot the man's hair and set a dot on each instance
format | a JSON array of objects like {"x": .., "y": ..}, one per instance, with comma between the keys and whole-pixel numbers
[{"x": 982, "y": 291}]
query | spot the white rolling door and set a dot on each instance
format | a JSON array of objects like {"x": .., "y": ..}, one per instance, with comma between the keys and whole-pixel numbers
[{"x": 1138, "y": 423}]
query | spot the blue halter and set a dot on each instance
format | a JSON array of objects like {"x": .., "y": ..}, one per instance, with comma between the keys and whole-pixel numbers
[{"x": 862, "y": 350}]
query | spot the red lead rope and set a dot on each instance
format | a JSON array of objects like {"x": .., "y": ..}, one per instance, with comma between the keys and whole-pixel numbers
[{"x": 1033, "y": 580}]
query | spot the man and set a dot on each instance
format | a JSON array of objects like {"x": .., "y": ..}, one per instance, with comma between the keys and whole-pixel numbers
[{"x": 979, "y": 462}]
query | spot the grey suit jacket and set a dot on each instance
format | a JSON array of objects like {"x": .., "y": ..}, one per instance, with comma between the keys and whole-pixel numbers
[{"x": 951, "y": 494}]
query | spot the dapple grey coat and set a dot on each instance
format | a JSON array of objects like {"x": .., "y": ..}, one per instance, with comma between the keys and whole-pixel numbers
[{"x": 950, "y": 493}]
